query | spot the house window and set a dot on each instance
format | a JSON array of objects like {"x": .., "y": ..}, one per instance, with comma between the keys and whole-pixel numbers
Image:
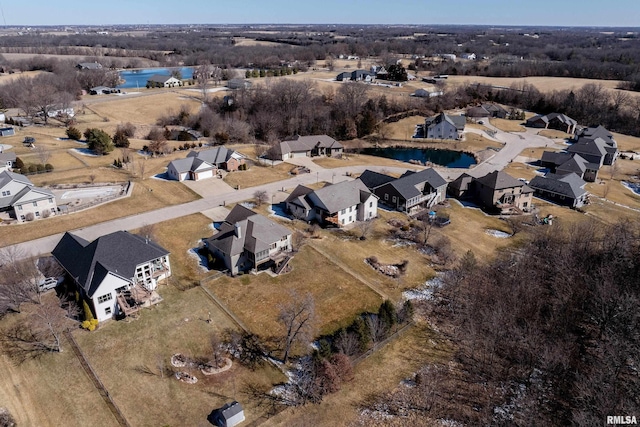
[
  {"x": 50, "y": 200},
  {"x": 349, "y": 218},
  {"x": 20, "y": 207},
  {"x": 370, "y": 204},
  {"x": 394, "y": 199},
  {"x": 107, "y": 311},
  {"x": 22, "y": 218},
  {"x": 104, "y": 298},
  {"x": 350, "y": 208},
  {"x": 37, "y": 213},
  {"x": 342, "y": 221},
  {"x": 6, "y": 193},
  {"x": 342, "y": 211},
  {"x": 283, "y": 239},
  {"x": 35, "y": 203},
  {"x": 524, "y": 205},
  {"x": 273, "y": 245},
  {"x": 386, "y": 196}
]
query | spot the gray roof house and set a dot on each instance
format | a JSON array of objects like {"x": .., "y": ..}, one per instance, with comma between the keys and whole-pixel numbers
[
  {"x": 7, "y": 160},
  {"x": 335, "y": 204},
  {"x": 89, "y": 66},
  {"x": 308, "y": 146},
  {"x": 587, "y": 138},
  {"x": 592, "y": 150},
  {"x": 444, "y": 126},
  {"x": 247, "y": 240},
  {"x": 556, "y": 121},
  {"x": 230, "y": 415},
  {"x": 495, "y": 191},
  {"x": 23, "y": 200},
  {"x": 7, "y": 131},
  {"x": 565, "y": 189},
  {"x": 115, "y": 271},
  {"x": 239, "y": 84},
  {"x": 409, "y": 193},
  {"x": 203, "y": 164},
  {"x": 564, "y": 163}
]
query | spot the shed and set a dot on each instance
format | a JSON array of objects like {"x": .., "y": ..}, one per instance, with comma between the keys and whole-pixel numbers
[
  {"x": 8, "y": 131},
  {"x": 231, "y": 414}
]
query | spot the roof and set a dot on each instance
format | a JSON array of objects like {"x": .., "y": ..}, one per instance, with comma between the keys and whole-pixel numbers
[
  {"x": 9, "y": 156},
  {"x": 562, "y": 118},
  {"x": 373, "y": 179},
  {"x": 257, "y": 232},
  {"x": 461, "y": 183},
  {"x": 555, "y": 158},
  {"x": 538, "y": 118},
  {"x": 478, "y": 112},
  {"x": 118, "y": 253},
  {"x": 589, "y": 146},
  {"x": 570, "y": 185},
  {"x": 408, "y": 184},
  {"x": 160, "y": 78},
  {"x": 297, "y": 196},
  {"x": 7, "y": 177},
  {"x": 499, "y": 180},
  {"x": 457, "y": 121},
  {"x": 307, "y": 143},
  {"x": 31, "y": 194},
  {"x": 182, "y": 165},
  {"x": 336, "y": 197},
  {"x": 215, "y": 156},
  {"x": 230, "y": 410},
  {"x": 596, "y": 132}
]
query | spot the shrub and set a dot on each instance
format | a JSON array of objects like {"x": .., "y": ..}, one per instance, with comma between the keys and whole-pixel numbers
[
  {"x": 32, "y": 168},
  {"x": 46, "y": 213},
  {"x": 74, "y": 133},
  {"x": 40, "y": 167},
  {"x": 120, "y": 139},
  {"x": 19, "y": 164},
  {"x": 48, "y": 167},
  {"x": 99, "y": 141},
  {"x": 29, "y": 216},
  {"x": 88, "y": 314},
  {"x": 128, "y": 129}
]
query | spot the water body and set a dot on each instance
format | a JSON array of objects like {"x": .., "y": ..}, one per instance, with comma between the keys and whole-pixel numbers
[
  {"x": 138, "y": 78},
  {"x": 448, "y": 158}
]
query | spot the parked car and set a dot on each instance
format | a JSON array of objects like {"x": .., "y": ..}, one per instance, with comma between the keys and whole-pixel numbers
[
  {"x": 48, "y": 283},
  {"x": 29, "y": 141}
]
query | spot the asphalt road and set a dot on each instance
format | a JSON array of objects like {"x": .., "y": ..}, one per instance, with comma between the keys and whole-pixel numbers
[{"x": 515, "y": 143}]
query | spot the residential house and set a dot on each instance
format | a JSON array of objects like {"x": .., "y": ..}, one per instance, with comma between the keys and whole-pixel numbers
[
  {"x": 102, "y": 90},
  {"x": 425, "y": 93},
  {"x": 335, "y": 204},
  {"x": 469, "y": 56},
  {"x": 204, "y": 164},
  {"x": 444, "y": 126},
  {"x": 495, "y": 110},
  {"x": 556, "y": 121},
  {"x": 564, "y": 163},
  {"x": 379, "y": 71},
  {"x": 7, "y": 160},
  {"x": 591, "y": 142},
  {"x": 409, "y": 193},
  {"x": 239, "y": 84},
  {"x": 230, "y": 415},
  {"x": 89, "y": 66},
  {"x": 161, "y": 80},
  {"x": 247, "y": 240},
  {"x": 344, "y": 77},
  {"x": 23, "y": 200},
  {"x": 494, "y": 191},
  {"x": 116, "y": 273},
  {"x": 307, "y": 146},
  {"x": 7, "y": 131},
  {"x": 356, "y": 76},
  {"x": 567, "y": 189}
]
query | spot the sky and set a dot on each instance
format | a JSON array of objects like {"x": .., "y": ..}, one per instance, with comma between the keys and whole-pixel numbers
[{"x": 608, "y": 13}]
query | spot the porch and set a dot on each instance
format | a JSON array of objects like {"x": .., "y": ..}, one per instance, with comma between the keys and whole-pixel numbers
[{"x": 136, "y": 297}]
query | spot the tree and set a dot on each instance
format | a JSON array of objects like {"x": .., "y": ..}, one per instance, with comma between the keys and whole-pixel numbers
[
  {"x": 217, "y": 350},
  {"x": 6, "y": 419},
  {"x": 120, "y": 139},
  {"x": 397, "y": 73},
  {"x": 73, "y": 133},
  {"x": 297, "y": 319},
  {"x": 260, "y": 197},
  {"x": 99, "y": 141},
  {"x": 19, "y": 278}
]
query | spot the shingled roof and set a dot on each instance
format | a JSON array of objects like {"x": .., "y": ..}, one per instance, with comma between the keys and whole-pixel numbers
[
  {"x": 118, "y": 253},
  {"x": 499, "y": 180},
  {"x": 336, "y": 197},
  {"x": 374, "y": 179},
  {"x": 570, "y": 185}
]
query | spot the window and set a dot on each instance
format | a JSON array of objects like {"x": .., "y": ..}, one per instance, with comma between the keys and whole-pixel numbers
[
  {"x": 342, "y": 211},
  {"x": 20, "y": 207},
  {"x": 50, "y": 200},
  {"x": 104, "y": 298},
  {"x": 6, "y": 193},
  {"x": 524, "y": 205},
  {"x": 107, "y": 311},
  {"x": 386, "y": 196},
  {"x": 350, "y": 208},
  {"x": 394, "y": 199},
  {"x": 370, "y": 204},
  {"x": 22, "y": 218},
  {"x": 37, "y": 213},
  {"x": 273, "y": 245},
  {"x": 350, "y": 218},
  {"x": 35, "y": 203},
  {"x": 342, "y": 221}
]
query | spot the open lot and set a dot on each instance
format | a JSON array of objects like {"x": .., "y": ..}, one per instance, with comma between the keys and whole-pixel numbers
[{"x": 508, "y": 125}]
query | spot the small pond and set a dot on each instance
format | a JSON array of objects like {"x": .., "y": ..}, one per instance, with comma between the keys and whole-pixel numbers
[
  {"x": 448, "y": 158},
  {"x": 138, "y": 78}
]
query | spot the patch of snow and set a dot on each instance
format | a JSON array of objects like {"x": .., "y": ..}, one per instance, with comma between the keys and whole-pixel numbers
[
  {"x": 497, "y": 233},
  {"x": 401, "y": 243},
  {"x": 85, "y": 152},
  {"x": 424, "y": 292},
  {"x": 248, "y": 205},
  {"x": 202, "y": 261},
  {"x": 633, "y": 186}
]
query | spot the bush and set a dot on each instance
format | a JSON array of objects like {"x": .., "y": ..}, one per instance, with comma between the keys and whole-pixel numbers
[
  {"x": 99, "y": 141},
  {"x": 89, "y": 325},
  {"x": 29, "y": 216},
  {"x": 88, "y": 314},
  {"x": 40, "y": 167},
  {"x": 120, "y": 139},
  {"x": 18, "y": 164},
  {"x": 46, "y": 213},
  {"x": 48, "y": 167},
  {"x": 74, "y": 133},
  {"x": 128, "y": 129},
  {"x": 32, "y": 168}
]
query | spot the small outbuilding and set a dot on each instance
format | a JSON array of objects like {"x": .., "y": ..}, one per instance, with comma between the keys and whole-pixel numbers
[{"x": 231, "y": 414}]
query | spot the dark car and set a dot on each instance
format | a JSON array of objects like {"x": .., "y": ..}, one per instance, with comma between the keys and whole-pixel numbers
[{"x": 29, "y": 140}]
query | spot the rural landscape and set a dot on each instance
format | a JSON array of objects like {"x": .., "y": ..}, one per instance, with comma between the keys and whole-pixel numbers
[{"x": 314, "y": 225}]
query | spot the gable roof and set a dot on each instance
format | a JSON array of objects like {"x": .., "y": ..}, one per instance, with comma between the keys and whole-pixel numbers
[
  {"x": 257, "y": 232},
  {"x": 117, "y": 253},
  {"x": 336, "y": 197},
  {"x": 8, "y": 156},
  {"x": 160, "y": 78},
  {"x": 408, "y": 184},
  {"x": 31, "y": 194},
  {"x": 297, "y": 196},
  {"x": 215, "y": 156},
  {"x": 589, "y": 146},
  {"x": 562, "y": 118},
  {"x": 596, "y": 132},
  {"x": 372, "y": 179},
  {"x": 570, "y": 185},
  {"x": 307, "y": 143},
  {"x": 6, "y": 178},
  {"x": 182, "y": 165},
  {"x": 230, "y": 410},
  {"x": 499, "y": 180},
  {"x": 461, "y": 183},
  {"x": 457, "y": 121}
]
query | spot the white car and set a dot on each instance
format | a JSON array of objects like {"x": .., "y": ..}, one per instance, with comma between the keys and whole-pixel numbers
[{"x": 48, "y": 283}]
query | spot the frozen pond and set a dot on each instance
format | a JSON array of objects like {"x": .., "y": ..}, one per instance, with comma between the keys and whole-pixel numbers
[{"x": 90, "y": 193}]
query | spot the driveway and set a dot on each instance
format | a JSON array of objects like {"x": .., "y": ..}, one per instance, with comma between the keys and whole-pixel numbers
[
  {"x": 306, "y": 162},
  {"x": 209, "y": 187}
]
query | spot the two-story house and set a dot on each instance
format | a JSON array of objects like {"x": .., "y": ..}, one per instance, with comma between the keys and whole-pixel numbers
[
  {"x": 444, "y": 126},
  {"x": 495, "y": 191},
  {"x": 23, "y": 200},
  {"x": 116, "y": 273},
  {"x": 247, "y": 241}
]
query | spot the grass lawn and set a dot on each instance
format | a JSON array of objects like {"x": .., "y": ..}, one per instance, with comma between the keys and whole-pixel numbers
[
  {"x": 338, "y": 295},
  {"x": 520, "y": 170},
  {"x": 626, "y": 142},
  {"x": 258, "y": 175},
  {"x": 52, "y": 388},
  {"x": 508, "y": 125},
  {"x": 147, "y": 195},
  {"x": 554, "y": 134},
  {"x": 120, "y": 352},
  {"x": 403, "y": 129},
  {"x": 381, "y": 372}
]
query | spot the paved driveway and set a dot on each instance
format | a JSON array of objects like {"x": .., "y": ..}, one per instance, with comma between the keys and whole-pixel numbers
[{"x": 209, "y": 187}]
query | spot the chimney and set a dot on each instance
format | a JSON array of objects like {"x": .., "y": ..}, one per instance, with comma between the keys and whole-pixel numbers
[{"x": 238, "y": 230}]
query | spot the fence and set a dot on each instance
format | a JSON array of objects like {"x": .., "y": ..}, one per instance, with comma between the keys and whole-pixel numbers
[{"x": 382, "y": 343}]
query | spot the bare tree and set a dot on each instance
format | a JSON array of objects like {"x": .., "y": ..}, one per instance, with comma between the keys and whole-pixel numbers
[
  {"x": 148, "y": 231},
  {"x": 297, "y": 318},
  {"x": 92, "y": 177},
  {"x": 43, "y": 153},
  {"x": 366, "y": 227},
  {"x": 202, "y": 74},
  {"x": 217, "y": 350},
  {"x": 260, "y": 197}
]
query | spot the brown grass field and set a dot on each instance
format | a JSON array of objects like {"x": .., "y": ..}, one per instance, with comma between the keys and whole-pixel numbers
[
  {"x": 352, "y": 159},
  {"x": 520, "y": 170},
  {"x": 338, "y": 295},
  {"x": 543, "y": 84},
  {"x": 508, "y": 125},
  {"x": 257, "y": 175},
  {"x": 626, "y": 142},
  {"x": 554, "y": 134}
]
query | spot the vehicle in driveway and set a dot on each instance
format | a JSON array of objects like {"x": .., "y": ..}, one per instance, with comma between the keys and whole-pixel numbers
[{"x": 48, "y": 283}]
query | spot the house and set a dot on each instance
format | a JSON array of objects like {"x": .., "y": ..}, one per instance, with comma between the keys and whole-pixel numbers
[
  {"x": 564, "y": 163},
  {"x": 590, "y": 143},
  {"x": 204, "y": 164},
  {"x": 249, "y": 241},
  {"x": 101, "y": 90},
  {"x": 161, "y": 80},
  {"x": 23, "y": 200},
  {"x": 343, "y": 77},
  {"x": 7, "y": 131},
  {"x": 307, "y": 146},
  {"x": 425, "y": 93},
  {"x": 379, "y": 71},
  {"x": 567, "y": 189},
  {"x": 469, "y": 56},
  {"x": 239, "y": 84},
  {"x": 356, "y": 76},
  {"x": 556, "y": 121},
  {"x": 230, "y": 415},
  {"x": 409, "y": 193},
  {"x": 496, "y": 111},
  {"x": 444, "y": 126},
  {"x": 335, "y": 204},
  {"x": 494, "y": 191},
  {"x": 89, "y": 66},
  {"x": 116, "y": 273},
  {"x": 7, "y": 160}
]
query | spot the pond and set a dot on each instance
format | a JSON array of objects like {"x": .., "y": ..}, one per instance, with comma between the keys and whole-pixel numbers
[
  {"x": 448, "y": 158},
  {"x": 138, "y": 78}
]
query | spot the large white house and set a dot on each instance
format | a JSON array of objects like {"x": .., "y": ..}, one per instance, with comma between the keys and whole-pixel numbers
[
  {"x": 115, "y": 273},
  {"x": 338, "y": 204},
  {"x": 23, "y": 200},
  {"x": 444, "y": 126},
  {"x": 307, "y": 146},
  {"x": 204, "y": 164}
]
